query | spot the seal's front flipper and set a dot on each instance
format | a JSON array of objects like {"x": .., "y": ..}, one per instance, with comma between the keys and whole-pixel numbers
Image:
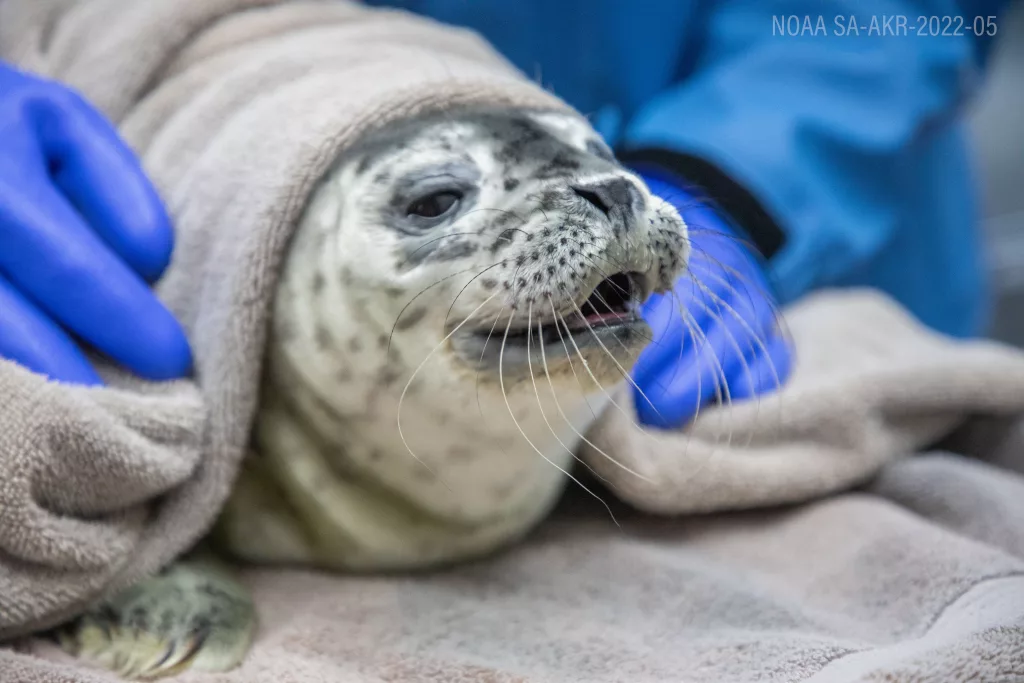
[{"x": 193, "y": 616}]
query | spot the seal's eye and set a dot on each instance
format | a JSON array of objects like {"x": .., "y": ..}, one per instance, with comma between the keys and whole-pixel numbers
[{"x": 434, "y": 205}]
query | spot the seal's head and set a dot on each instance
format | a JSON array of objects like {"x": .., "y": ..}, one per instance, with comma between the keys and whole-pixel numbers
[
  {"x": 525, "y": 245},
  {"x": 460, "y": 290}
]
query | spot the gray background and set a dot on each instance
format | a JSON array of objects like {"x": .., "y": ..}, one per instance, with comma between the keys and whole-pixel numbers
[{"x": 997, "y": 124}]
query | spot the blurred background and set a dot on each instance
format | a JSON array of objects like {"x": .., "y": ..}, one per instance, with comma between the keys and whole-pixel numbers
[{"x": 997, "y": 122}]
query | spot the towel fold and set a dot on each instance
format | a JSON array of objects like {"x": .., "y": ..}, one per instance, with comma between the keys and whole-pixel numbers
[
  {"x": 864, "y": 586},
  {"x": 237, "y": 108},
  {"x": 870, "y": 384}
]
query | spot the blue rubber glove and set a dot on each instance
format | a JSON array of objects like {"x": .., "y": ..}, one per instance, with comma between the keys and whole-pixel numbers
[
  {"x": 82, "y": 231},
  {"x": 725, "y": 296}
]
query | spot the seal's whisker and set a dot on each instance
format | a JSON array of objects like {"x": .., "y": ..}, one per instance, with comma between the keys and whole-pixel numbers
[
  {"x": 738, "y": 240},
  {"x": 719, "y": 379},
  {"x": 615, "y": 264},
  {"x": 559, "y": 323},
  {"x": 477, "y": 388},
  {"x": 611, "y": 309},
  {"x": 734, "y": 275},
  {"x": 442, "y": 237},
  {"x": 419, "y": 367},
  {"x": 421, "y": 293},
  {"x": 483, "y": 351},
  {"x": 777, "y": 316},
  {"x": 536, "y": 391},
  {"x": 755, "y": 339},
  {"x": 622, "y": 370},
  {"x": 465, "y": 287},
  {"x": 704, "y": 345},
  {"x": 505, "y": 211},
  {"x": 629, "y": 417},
  {"x": 605, "y": 275},
  {"x": 608, "y": 279},
  {"x": 697, "y": 338},
  {"x": 701, "y": 200},
  {"x": 693, "y": 331},
  {"x": 719, "y": 387},
  {"x": 558, "y": 405},
  {"x": 719, "y": 303},
  {"x": 504, "y": 393},
  {"x": 627, "y": 239},
  {"x": 586, "y": 365},
  {"x": 749, "y": 289}
]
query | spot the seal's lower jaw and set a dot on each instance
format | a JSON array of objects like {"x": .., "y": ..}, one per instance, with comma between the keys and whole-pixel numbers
[
  {"x": 555, "y": 345},
  {"x": 606, "y": 326}
]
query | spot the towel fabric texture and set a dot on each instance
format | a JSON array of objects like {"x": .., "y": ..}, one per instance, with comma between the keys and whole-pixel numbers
[
  {"x": 236, "y": 108},
  {"x": 837, "y": 552},
  {"x": 916, "y": 578}
]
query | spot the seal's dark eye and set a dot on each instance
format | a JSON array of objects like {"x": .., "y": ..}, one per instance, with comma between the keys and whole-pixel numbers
[{"x": 434, "y": 205}]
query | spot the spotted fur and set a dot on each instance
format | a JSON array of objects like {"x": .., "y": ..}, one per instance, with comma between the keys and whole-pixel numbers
[
  {"x": 410, "y": 415},
  {"x": 545, "y": 213}
]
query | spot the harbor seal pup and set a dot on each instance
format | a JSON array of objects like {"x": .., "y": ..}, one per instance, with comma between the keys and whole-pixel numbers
[{"x": 460, "y": 295}]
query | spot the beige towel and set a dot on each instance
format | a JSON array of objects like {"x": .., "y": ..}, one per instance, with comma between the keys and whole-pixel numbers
[
  {"x": 865, "y": 586},
  {"x": 870, "y": 384},
  {"x": 237, "y": 107}
]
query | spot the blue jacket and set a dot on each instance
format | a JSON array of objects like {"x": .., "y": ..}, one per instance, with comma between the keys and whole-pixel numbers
[{"x": 837, "y": 148}]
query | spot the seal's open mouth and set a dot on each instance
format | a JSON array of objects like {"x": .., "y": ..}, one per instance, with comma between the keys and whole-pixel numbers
[
  {"x": 609, "y": 318},
  {"x": 615, "y": 301}
]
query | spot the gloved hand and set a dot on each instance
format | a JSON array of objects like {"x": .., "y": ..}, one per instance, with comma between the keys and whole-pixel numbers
[
  {"x": 736, "y": 348},
  {"x": 82, "y": 231}
]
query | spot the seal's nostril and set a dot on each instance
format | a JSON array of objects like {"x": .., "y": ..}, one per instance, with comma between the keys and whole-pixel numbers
[
  {"x": 591, "y": 197},
  {"x": 613, "y": 193}
]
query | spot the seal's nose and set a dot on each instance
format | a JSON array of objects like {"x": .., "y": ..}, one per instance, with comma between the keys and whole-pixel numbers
[{"x": 611, "y": 195}]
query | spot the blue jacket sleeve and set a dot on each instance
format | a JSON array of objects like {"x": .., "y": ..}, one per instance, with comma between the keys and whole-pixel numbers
[{"x": 804, "y": 137}]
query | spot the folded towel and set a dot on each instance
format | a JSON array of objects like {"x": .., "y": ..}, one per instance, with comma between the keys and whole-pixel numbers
[
  {"x": 237, "y": 107},
  {"x": 870, "y": 384},
  {"x": 881, "y": 584}
]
